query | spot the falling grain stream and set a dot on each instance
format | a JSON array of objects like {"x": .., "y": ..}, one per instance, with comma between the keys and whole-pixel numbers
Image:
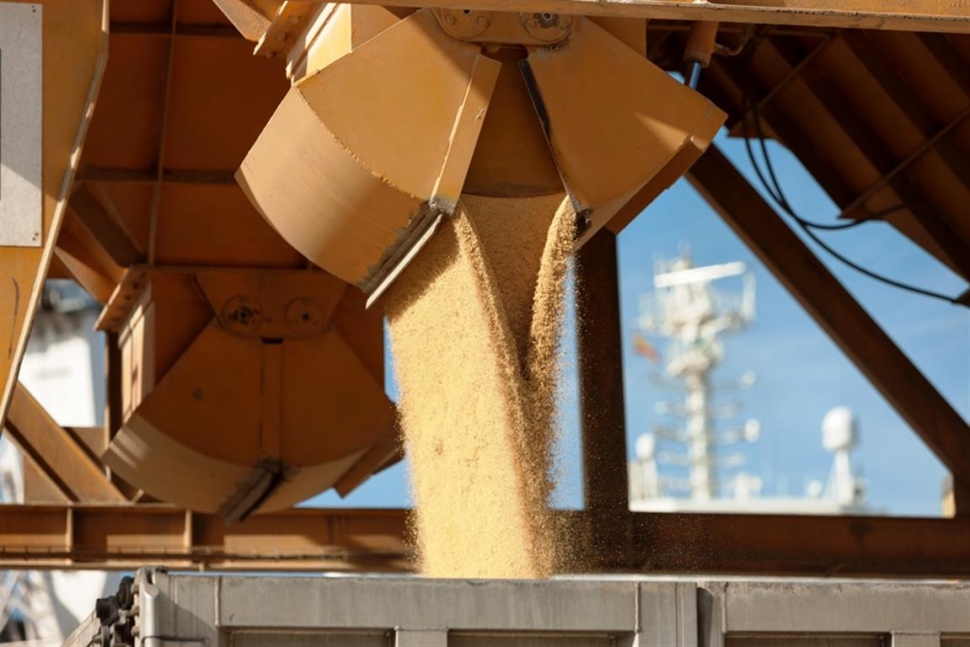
[{"x": 475, "y": 326}]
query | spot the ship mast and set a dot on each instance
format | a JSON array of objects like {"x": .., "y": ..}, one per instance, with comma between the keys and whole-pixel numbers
[{"x": 692, "y": 314}]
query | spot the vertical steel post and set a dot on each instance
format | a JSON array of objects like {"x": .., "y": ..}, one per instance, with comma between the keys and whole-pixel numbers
[{"x": 600, "y": 353}]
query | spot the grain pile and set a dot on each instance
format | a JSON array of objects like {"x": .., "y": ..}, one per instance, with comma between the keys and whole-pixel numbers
[{"x": 475, "y": 324}]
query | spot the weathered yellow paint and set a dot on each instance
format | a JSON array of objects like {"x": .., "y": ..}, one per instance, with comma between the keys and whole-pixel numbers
[
  {"x": 896, "y": 15},
  {"x": 75, "y": 54},
  {"x": 257, "y": 385},
  {"x": 632, "y": 31},
  {"x": 363, "y": 155},
  {"x": 617, "y": 124},
  {"x": 59, "y": 451},
  {"x": 354, "y": 153},
  {"x": 332, "y": 31},
  {"x": 700, "y": 43},
  {"x": 251, "y": 17}
]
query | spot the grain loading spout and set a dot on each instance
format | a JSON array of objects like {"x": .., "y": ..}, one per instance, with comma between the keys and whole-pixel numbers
[
  {"x": 448, "y": 165},
  {"x": 250, "y": 388},
  {"x": 367, "y": 153}
]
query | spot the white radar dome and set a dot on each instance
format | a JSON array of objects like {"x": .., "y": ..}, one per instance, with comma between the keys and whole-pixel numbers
[
  {"x": 646, "y": 446},
  {"x": 839, "y": 429}
]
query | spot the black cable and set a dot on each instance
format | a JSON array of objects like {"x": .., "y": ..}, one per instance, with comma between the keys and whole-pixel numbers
[
  {"x": 777, "y": 194},
  {"x": 774, "y": 187},
  {"x": 781, "y": 200},
  {"x": 884, "y": 279},
  {"x": 786, "y": 205}
]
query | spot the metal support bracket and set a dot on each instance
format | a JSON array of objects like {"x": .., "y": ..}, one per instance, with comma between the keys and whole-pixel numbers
[{"x": 504, "y": 28}]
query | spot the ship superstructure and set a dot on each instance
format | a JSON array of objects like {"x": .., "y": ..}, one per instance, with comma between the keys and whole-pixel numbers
[{"x": 691, "y": 459}]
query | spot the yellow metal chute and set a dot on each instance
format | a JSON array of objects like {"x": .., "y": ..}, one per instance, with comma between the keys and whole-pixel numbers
[{"x": 363, "y": 155}]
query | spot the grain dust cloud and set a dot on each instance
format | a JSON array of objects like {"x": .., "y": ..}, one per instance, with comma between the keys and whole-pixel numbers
[{"x": 475, "y": 325}]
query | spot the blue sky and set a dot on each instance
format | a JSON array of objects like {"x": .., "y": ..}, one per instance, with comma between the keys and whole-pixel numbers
[{"x": 801, "y": 373}]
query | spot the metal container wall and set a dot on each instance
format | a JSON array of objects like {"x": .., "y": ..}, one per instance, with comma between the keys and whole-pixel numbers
[{"x": 241, "y": 611}]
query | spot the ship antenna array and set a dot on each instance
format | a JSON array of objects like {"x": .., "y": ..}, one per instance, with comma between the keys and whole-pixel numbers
[{"x": 687, "y": 310}]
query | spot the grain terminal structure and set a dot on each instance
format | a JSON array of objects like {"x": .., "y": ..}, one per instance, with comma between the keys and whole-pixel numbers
[{"x": 234, "y": 213}]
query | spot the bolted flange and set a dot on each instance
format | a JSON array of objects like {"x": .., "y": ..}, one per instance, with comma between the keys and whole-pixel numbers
[
  {"x": 503, "y": 28},
  {"x": 547, "y": 27},
  {"x": 464, "y": 24},
  {"x": 242, "y": 316}
]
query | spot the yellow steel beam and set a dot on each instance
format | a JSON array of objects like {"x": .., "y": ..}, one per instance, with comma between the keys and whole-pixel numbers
[
  {"x": 801, "y": 545},
  {"x": 309, "y": 539},
  {"x": 901, "y": 15},
  {"x": 106, "y": 227},
  {"x": 600, "y": 349},
  {"x": 79, "y": 254},
  {"x": 57, "y": 452},
  {"x": 75, "y": 44},
  {"x": 250, "y": 17},
  {"x": 125, "y": 537}
]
